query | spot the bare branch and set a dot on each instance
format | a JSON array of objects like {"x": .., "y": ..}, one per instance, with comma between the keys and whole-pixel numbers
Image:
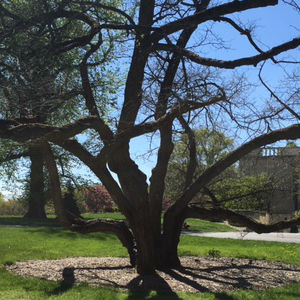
[
  {"x": 287, "y": 107},
  {"x": 231, "y": 64},
  {"x": 209, "y": 14}
]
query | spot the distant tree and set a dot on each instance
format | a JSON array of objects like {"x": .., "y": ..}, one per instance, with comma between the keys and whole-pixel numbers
[
  {"x": 37, "y": 87},
  {"x": 1, "y": 198},
  {"x": 244, "y": 193},
  {"x": 208, "y": 146}
]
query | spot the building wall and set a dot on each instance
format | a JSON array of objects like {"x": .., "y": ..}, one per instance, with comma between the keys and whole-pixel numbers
[{"x": 283, "y": 166}]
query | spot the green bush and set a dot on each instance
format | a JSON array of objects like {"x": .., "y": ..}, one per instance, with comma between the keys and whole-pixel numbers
[{"x": 214, "y": 253}]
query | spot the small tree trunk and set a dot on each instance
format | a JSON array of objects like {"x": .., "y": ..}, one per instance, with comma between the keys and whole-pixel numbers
[
  {"x": 55, "y": 185},
  {"x": 36, "y": 209}
]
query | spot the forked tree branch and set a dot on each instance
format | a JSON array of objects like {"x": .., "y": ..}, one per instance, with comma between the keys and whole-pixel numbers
[{"x": 209, "y": 14}]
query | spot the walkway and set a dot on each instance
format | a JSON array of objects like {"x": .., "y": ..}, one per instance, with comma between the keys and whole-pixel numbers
[{"x": 283, "y": 237}]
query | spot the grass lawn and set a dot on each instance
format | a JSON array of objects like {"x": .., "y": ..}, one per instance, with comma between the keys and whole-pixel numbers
[
  {"x": 195, "y": 225},
  {"x": 50, "y": 243}
]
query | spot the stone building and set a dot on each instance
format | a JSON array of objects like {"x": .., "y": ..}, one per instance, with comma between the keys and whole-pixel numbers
[{"x": 282, "y": 165}]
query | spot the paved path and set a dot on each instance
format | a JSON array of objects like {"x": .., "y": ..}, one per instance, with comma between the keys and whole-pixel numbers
[{"x": 283, "y": 237}]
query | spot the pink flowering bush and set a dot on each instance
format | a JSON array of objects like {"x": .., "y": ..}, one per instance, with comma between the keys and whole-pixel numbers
[{"x": 97, "y": 199}]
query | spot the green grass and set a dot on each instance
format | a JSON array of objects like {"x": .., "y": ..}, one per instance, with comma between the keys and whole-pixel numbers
[
  {"x": 19, "y": 220},
  {"x": 195, "y": 225},
  {"x": 273, "y": 251},
  {"x": 50, "y": 243},
  {"x": 206, "y": 226}
]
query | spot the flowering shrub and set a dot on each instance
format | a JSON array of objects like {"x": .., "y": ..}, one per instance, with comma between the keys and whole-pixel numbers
[{"x": 97, "y": 199}]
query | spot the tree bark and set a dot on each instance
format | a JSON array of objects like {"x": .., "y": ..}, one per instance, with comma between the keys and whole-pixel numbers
[{"x": 36, "y": 201}]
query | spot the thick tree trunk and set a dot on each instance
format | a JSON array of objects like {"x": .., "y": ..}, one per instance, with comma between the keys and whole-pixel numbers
[
  {"x": 171, "y": 237},
  {"x": 143, "y": 235},
  {"x": 37, "y": 201}
]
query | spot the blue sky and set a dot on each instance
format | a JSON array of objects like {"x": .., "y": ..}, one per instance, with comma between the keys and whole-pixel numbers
[{"x": 274, "y": 25}]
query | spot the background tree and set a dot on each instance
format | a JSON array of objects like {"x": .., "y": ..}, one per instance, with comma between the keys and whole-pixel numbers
[
  {"x": 168, "y": 79},
  {"x": 230, "y": 189},
  {"x": 210, "y": 146},
  {"x": 37, "y": 87}
]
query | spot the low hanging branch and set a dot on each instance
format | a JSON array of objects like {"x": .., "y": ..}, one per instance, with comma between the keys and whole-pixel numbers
[
  {"x": 217, "y": 214},
  {"x": 119, "y": 228},
  {"x": 20, "y": 132}
]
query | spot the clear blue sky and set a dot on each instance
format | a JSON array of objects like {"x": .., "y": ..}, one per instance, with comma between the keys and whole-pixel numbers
[{"x": 274, "y": 25}]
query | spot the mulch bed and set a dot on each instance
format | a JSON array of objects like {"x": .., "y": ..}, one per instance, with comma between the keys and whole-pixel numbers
[{"x": 198, "y": 274}]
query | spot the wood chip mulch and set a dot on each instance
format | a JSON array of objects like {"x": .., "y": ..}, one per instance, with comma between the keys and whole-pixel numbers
[{"x": 198, "y": 274}]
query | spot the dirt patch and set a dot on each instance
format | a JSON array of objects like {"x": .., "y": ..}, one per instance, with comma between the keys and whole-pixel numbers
[{"x": 198, "y": 274}]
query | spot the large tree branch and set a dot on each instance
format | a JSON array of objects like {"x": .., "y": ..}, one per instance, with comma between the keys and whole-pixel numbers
[
  {"x": 209, "y": 14},
  {"x": 231, "y": 64},
  {"x": 134, "y": 82},
  {"x": 174, "y": 112},
  {"x": 166, "y": 145},
  {"x": 217, "y": 214},
  {"x": 13, "y": 156},
  {"x": 98, "y": 166},
  {"x": 292, "y": 133},
  {"x": 119, "y": 228},
  {"x": 14, "y": 130}
]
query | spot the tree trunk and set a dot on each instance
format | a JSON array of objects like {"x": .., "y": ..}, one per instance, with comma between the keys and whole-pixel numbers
[
  {"x": 37, "y": 201},
  {"x": 143, "y": 235},
  {"x": 171, "y": 237},
  {"x": 55, "y": 185}
]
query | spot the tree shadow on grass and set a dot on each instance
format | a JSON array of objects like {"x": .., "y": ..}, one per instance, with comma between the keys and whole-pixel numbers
[
  {"x": 142, "y": 286},
  {"x": 68, "y": 234},
  {"x": 66, "y": 284}
]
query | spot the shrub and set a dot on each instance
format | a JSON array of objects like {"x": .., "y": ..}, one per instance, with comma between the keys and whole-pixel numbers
[
  {"x": 214, "y": 253},
  {"x": 12, "y": 207},
  {"x": 97, "y": 199},
  {"x": 69, "y": 201}
]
